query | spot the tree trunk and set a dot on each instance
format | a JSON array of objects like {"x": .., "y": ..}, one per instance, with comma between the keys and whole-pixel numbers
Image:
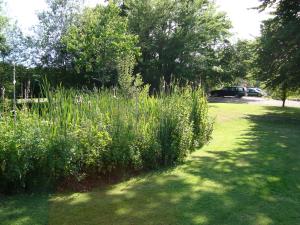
[
  {"x": 283, "y": 103},
  {"x": 284, "y": 97}
]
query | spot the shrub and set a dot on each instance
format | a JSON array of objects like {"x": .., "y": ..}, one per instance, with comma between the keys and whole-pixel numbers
[
  {"x": 81, "y": 134},
  {"x": 202, "y": 124}
]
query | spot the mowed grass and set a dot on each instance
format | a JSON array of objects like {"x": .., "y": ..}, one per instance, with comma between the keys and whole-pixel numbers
[{"x": 248, "y": 174}]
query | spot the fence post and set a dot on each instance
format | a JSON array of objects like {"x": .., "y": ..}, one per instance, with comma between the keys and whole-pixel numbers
[{"x": 14, "y": 100}]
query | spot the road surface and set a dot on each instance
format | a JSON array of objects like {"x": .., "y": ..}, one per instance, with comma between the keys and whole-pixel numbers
[{"x": 254, "y": 100}]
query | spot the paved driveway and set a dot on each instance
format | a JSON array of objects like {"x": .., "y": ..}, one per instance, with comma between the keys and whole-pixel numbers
[{"x": 254, "y": 100}]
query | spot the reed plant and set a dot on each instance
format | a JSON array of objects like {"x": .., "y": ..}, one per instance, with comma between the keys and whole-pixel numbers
[{"x": 98, "y": 133}]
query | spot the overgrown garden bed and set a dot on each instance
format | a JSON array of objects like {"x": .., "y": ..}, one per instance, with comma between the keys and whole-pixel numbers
[{"x": 100, "y": 134}]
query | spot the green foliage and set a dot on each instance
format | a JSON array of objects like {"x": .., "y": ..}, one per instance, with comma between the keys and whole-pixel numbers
[
  {"x": 254, "y": 156},
  {"x": 79, "y": 134},
  {"x": 251, "y": 166},
  {"x": 3, "y": 24},
  {"x": 23, "y": 75},
  {"x": 171, "y": 40},
  {"x": 202, "y": 123},
  {"x": 238, "y": 61},
  {"x": 281, "y": 92},
  {"x": 279, "y": 52},
  {"x": 99, "y": 40},
  {"x": 177, "y": 38},
  {"x": 19, "y": 46},
  {"x": 130, "y": 85},
  {"x": 284, "y": 8},
  {"x": 47, "y": 45}
]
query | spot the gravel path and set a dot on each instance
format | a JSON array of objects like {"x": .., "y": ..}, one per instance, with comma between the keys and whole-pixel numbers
[{"x": 254, "y": 100}]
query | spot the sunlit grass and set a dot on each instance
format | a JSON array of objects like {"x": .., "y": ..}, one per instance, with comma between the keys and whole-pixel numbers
[{"x": 248, "y": 174}]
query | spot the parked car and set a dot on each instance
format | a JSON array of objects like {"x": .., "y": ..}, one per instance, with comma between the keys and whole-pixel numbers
[
  {"x": 255, "y": 92},
  {"x": 230, "y": 91}
]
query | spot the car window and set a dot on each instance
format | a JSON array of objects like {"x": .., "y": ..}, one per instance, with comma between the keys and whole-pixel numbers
[{"x": 240, "y": 89}]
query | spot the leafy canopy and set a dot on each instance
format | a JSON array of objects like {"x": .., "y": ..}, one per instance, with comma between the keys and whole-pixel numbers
[
  {"x": 3, "y": 24},
  {"x": 53, "y": 24},
  {"x": 279, "y": 53},
  {"x": 174, "y": 36},
  {"x": 99, "y": 40}
]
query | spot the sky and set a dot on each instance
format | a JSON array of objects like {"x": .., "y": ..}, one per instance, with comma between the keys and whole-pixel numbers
[{"x": 246, "y": 21}]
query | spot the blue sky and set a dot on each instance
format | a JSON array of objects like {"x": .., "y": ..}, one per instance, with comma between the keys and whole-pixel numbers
[{"x": 246, "y": 21}]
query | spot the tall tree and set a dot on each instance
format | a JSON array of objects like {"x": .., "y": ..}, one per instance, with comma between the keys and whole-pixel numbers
[
  {"x": 3, "y": 52},
  {"x": 284, "y": 8},
  {"x": 53, "y": 24},
  {"x": 279, "y": 53},
  {"x": 19, "y": 46},
  {"x": 174, "y": 35},
  {"x": 3, "y": 24},
  {"x": 99, "y": 40},
  {"x": 228, "y": 64}
]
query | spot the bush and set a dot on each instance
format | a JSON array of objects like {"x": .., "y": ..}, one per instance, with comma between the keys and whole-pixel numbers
[{"x": 79, "y": 134}]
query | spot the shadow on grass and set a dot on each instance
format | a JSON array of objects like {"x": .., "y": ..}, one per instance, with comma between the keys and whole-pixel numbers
[
  {"x": 24, "y": 209},
  {"x": 258, "y": 182},
  {"x": 255, "y": 182}
]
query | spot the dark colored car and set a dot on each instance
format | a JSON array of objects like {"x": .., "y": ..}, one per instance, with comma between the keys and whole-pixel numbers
[
  {"x": 230, "y": 91},
  {"x": 255, "y": 92}
]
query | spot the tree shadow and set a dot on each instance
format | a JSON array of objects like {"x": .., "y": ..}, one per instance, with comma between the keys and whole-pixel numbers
[
  {"x": 24, "y": 209},
  {"x": 257, "y": 182}
]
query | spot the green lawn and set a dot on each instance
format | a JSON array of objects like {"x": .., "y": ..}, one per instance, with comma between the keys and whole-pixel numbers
[{"x": 248, "y": 174}]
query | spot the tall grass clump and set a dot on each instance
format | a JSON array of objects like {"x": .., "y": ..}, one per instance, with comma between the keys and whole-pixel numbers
[{"x": 99, "y": 133}]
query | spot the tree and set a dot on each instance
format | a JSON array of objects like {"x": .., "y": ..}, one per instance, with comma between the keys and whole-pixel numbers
[
  {"x": 53, "y": 25},
  {"x": 175, "y": 36},
  {"x": 227, "y": 64},
  {"x": 279, "y": 53},
  {"x": 3, "y": 51},
  {"x": 284, "y": 8},
  {"x": 98, "y": 41},
  {"x": 279, "y": 57},
  {"x": 18, "y": 52},
  {"x": 3, "y": 25},
  {"x": 238, "y": 61},
  {"x": 49, "y": 54},
  {"x": 19, "y": 46}
]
